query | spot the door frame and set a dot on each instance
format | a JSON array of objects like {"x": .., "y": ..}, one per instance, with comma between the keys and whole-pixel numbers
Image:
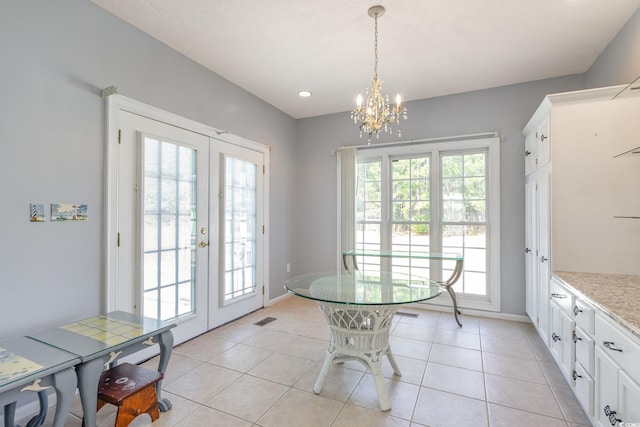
[{"x": 115, "y": 103}]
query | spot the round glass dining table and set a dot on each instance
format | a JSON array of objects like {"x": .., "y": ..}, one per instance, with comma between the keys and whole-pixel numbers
[{"x": 359, "y": 309}]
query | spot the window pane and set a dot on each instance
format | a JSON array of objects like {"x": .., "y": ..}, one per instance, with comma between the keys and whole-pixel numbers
[
  {"x": 475, "y": 164},
  {"x": 451, "y": 166}
]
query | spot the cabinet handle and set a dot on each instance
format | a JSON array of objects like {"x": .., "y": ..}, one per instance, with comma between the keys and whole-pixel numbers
[
  {"x": 575, "y": 338},
  {"x": 610, "y": 346},
  {"x": 555, "y": 337},
  {"x": 543, "y": 258},
  {"x": 543, "y": 137},
  {"x": 611, "y": 415},
  {"x": 576, "y": 310},
  {"x": 554, "y": 295},
  {"x": 526, "y": 153},
  {"x": 575, "y": 375},
  {"x": 527, "y": 250}
]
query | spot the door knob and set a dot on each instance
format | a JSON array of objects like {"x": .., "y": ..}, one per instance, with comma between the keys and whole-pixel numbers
[{"x": 203, "y": 244}]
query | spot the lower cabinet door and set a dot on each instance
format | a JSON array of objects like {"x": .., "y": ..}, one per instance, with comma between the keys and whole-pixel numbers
[
  {"x": 555, "y": 332},
  {"x": 568, "y": 346},
  {"x": 628, "y": 399},
  {"x": 606, "y": 408},
  {"x": 583, "y": 388},
  {"x": 584, "y": 349}
]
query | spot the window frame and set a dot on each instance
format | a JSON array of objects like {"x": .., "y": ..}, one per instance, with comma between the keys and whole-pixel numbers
[{"x": 435, "y": 150}]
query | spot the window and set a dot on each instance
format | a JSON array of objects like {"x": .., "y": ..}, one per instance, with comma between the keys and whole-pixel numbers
[{"x": 433, "y": 197}]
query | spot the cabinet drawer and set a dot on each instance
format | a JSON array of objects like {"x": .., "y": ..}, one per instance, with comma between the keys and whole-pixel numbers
[
  {"x": 584, "y": 388},
  {"x": 584, "y": 315},
  {"x": 618, "y": 346},
  {"x": 561, "y": 296},
  {"x": 584, "y": 349}
]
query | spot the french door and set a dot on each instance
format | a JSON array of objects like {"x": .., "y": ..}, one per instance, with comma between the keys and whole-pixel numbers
[
  {"x": 189, "y": 219},
  {"x": 238, "y": 258},
  {"x": 163, "y": 198}
]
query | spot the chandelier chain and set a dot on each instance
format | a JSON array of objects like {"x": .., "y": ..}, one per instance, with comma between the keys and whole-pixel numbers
[{"x": 375, "y": 50}]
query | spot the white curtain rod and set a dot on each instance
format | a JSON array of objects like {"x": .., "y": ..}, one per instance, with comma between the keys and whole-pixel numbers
[{"x": 493, "y": 134}]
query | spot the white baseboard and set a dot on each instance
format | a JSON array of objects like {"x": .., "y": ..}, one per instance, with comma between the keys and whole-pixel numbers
[
  {"x": 278, "y": 299},
  {"x": 471, "y": 312}
]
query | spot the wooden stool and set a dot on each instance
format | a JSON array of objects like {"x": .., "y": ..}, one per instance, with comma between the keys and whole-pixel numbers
[{"x": 132, "y": 389}]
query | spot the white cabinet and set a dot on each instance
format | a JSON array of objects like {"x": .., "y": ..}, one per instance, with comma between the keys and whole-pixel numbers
[
  {"x": 599, "y": 359},
  {"x": 537, "y": 238},
  {"x": 617, "y": 395},
  {"x": 558, "y": 138},
  {"x": 617, "y": 363}
]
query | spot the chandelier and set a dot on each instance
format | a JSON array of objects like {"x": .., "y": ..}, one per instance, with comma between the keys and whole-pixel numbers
[{"x": 377, "y": 114}]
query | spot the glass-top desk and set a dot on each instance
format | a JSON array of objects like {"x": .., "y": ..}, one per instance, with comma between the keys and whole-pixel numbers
[
  {"x": 359, "y": 309},
  {"x": 27, "y": 365},
  {"x": 98, "y": 341},
  {"x": 438, "y": 256}
]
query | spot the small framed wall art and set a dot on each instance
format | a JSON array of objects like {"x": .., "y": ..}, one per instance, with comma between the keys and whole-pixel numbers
[
  {"x": 36, "y": 212},
  {"x": 68, "y": 212}
]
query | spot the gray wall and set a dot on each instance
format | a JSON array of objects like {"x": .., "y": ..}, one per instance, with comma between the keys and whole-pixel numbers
[
  {"x": 56, "y": 57},
  {"x": 620, "y": 61}
]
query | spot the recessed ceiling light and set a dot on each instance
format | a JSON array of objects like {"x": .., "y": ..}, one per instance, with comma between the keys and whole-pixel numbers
[{"x": 304, "y": 93}]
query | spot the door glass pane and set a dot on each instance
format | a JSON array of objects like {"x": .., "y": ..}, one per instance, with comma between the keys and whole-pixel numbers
[
  {"x": 240, "y": 230},
  {"x": 169, "y": 229}
]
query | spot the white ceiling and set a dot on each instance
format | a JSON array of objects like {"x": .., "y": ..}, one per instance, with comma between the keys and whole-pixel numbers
[{"x": 275, "y": 48}]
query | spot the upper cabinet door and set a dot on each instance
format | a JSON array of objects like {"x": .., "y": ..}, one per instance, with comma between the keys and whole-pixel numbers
[
  {"x": 543, "y": 142},
  {"x": 530, "y": 153}
]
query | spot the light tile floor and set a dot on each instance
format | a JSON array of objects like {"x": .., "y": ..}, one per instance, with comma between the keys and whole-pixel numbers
[{"x": 487, "y": 373}]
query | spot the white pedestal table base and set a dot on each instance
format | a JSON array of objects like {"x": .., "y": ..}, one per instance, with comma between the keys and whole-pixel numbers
[{"x": 361, "y": 333}]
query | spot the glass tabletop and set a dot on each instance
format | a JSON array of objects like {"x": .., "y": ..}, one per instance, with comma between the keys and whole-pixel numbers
[
  {"x": 346, "y": 287},
  {"x": 24, "y": 359},
  {"x": 98, "y": 335},
  {"x": 404, "y": 254}
]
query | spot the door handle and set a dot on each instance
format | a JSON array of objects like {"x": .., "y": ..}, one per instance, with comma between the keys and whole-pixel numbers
[{"x": 203, "y": 243}]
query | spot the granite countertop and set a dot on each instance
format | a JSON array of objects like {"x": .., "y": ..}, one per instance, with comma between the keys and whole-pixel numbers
[{"x": 618, "y": 295}]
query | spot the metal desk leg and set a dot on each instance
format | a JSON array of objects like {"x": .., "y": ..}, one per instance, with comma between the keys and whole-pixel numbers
[
  {"x": 344, "y": 262},
  {"x": 455, "y": 304},
  {"x": 448, "y": 285}
]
